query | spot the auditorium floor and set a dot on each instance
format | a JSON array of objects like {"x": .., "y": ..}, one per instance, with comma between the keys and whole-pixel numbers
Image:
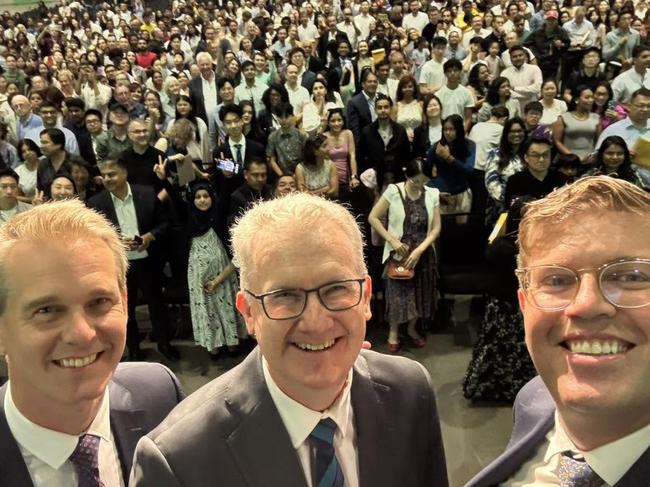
[{"x": 473, "y": 436}]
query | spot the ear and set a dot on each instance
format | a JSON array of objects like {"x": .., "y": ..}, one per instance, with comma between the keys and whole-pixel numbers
[
  {"x": 521, "y": 296},
  {"x": 367, "y": 297},
  {"x": 125, "y": 300},
  {"x": 244, "y": 307}
]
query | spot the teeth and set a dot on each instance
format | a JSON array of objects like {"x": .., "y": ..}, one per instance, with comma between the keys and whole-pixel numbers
[
  {"x": 597, "y": 347},
  {"x": 313, "y": 347},
  {"x": 77, "y": 362}
]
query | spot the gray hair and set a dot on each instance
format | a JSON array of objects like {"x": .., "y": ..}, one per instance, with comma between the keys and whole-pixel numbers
[{"x": 287, "y": 219}]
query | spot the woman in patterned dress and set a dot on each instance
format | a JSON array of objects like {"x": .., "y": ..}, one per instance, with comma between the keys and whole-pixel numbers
[
  {"x": 211, "y": 277},
  {"x": 413, "y": 226}
]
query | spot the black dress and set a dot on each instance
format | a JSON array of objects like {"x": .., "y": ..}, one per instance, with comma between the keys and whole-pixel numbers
[{"x": 500, "y": 363}]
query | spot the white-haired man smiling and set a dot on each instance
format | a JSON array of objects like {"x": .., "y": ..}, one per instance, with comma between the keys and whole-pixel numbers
[{"x": 305, "y": 408}]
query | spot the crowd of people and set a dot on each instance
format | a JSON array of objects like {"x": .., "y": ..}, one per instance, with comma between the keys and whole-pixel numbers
[{"x": 173, "y": 122}]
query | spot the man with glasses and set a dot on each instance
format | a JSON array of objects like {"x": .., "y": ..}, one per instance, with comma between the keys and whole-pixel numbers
[
  {"x": 584, "y": 276},
  {"x": 626, "y": 83},
  {"x": 635, "y": 125},
  {"x": 307, "y": 407}
]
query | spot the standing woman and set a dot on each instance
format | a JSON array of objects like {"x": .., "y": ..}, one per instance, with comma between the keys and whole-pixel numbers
[
  {"x": 364, "y": 58},
  {"x": 211, "y": 277},
  {"x": 408, "y": 109},
  {"x": 451, "y": 162},
  {"x": 498, "y": 94},
  {"x": 315, "y": 113},
  {"x": 185, "y": 109},
  {"x": 317, "y": 174},
  {"x": 577, "y": 131},
  {"x": 478, "y": 82},
  {"x": 342, "y": 152},
  {"x": 553, "y": 107},
  {"x": 430, "y": 131},
  {"x": 413, "y": 226}
]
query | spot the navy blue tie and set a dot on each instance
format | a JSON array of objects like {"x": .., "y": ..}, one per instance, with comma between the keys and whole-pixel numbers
[{"x": 327, "y": 469}]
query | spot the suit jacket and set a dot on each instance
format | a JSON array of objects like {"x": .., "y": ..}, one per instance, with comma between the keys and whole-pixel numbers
[
  {"x": 141, "y": 395},
  {"x": 534, "y": 415},
  {"x": 196, "y": 94},
  {"x": 327, "y": 37},
  {"x": 148, "y": 210},
  {"x": 358, "y": 115},
  {"x": 308, "y": 78},
  {"x": 372, "y": 152},
  {"x": 229, "y": 432}
]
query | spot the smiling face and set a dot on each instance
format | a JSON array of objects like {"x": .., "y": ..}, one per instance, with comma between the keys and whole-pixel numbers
[
  {"x": 202, "y": 200},
  {"x": 62, "y": 189},
  {"x": 612, "y": 387},
  {"x": 64, "y": 327},
  {"x": 302, "y": 373}
]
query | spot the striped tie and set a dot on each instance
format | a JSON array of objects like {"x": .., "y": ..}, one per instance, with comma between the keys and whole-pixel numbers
[
  {"x": 576, "y": 472},
  {"x": 327, "y": 468}
]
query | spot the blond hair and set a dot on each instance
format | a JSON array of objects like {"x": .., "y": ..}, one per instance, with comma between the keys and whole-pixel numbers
[
  {"x": 291, "y": 219},
  {"x": 61, "y": 221},
  {"x": 588, "y": 196}
]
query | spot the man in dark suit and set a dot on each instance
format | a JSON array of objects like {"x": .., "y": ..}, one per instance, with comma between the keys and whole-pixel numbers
[
  {"x": 139, "y": 215},
  {"x": 204, "y": 93},
  {"x": 236, "y": 149},
  {"x": 69, "y": 411},
  {"x": 331, "y": 36},
  {"x": 384, "y": 144},
  {"x": 585, "y": 298},
  {"x": 361, "y": 107},
  {"x": 307, "y": 398},
  {"x": 253, "y": 190}
]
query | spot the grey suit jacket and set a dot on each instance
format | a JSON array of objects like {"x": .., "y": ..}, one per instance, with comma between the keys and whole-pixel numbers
[
  {"x": 229, "y": 433},
  {"x": 141, "y": 395},
  {"x": 534, "y": 416}
]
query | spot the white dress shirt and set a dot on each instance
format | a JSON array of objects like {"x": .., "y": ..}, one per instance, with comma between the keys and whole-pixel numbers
[
  {"x": 610, "y": 461},
  {"x": 627, "y": 83},
  {"x": 525, "y": 83},
  {"x": 298, "y": 97},
  {"x": 128, "y": 221},
  {"x": 300, "y": 421},
  {"x": 46, "y": 452},
  {"x": 210, "y": 102},
  {"x": 233, "y": 149}
]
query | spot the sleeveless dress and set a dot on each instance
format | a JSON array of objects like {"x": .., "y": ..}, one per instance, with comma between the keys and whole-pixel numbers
[
  {"x": 579, "y": 135},
  {"x": 414, "y": 298},
  {"x": 215, "y": 320},
  {"x": 339, "y": 156},
  {"x": 317, "y": 177},
  {"x": 409, "y": 115}
]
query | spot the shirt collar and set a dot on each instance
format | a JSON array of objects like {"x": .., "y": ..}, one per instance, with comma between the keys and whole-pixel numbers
[
  {"x": 299, "y": 420},
  {"x": 610, "y": 461},
  {"x": 129, "y": 195},
  {"x": 52, "y": 447}
]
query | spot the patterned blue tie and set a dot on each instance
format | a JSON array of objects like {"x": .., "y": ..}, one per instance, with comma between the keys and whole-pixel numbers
[
  {"x": 85, "y": 459},
  {"x": 576, "y": 473},
  {"x": 328, "y": 471}
]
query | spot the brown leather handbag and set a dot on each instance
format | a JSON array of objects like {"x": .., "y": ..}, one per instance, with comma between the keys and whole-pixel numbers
[{"x": 395, "y": 268}]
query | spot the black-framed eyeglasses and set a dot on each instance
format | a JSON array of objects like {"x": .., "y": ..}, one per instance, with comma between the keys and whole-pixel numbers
[
  {"x": 286, "y": 304},
  {"x": 623, "y": 283}
]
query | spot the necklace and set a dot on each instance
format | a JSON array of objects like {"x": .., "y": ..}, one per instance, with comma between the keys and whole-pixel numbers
[{"x": 582, "y": 116}]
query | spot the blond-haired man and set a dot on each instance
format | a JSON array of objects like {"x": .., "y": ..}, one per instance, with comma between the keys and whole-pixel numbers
[
  {"x": 69, "y": 415},
  {"x": 305, "y": 408},
  {"x": 584, "y": 274}
]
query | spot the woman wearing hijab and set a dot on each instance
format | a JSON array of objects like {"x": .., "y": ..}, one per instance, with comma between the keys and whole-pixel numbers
[{"x": 211, "y": 277}]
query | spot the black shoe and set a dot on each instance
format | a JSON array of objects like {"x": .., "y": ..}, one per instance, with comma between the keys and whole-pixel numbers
[
  {"x": 214, "y": 356},
  {"x": 169, "y": 352}
]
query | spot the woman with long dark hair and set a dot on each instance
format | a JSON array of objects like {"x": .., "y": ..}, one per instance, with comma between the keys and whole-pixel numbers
[
  {"x": 250, "y": 127},
  {"x": 502, "y": 163},
  {"x": 613, "y": 159},
  {"x": 451, "y": 162},
  {"x": 498, "y": 94},
  {"x": 274, "y": 96}
]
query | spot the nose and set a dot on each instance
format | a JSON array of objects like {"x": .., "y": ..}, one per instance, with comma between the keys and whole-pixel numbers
[
  {"x": 316, "y": 317},
  {"x": 78, "y": 330},
  {"x": 589, "y": 301}
]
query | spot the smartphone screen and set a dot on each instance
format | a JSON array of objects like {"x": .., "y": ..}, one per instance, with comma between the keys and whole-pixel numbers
[{"x": 227, "y": 165}]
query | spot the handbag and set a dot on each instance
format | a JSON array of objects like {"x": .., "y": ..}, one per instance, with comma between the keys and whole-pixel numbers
[{"x": 395, "y": 268}]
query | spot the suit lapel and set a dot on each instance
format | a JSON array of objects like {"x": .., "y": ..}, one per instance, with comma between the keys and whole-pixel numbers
[
  {"x": 261, "y": 438},
  {"x": 374, "y": 425},
  {"x": 13, "y": 471},
  {"x": 126, "y": 425}
]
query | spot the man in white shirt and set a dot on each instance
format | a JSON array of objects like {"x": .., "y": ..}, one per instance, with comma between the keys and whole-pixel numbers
[
  {"x": 363, "y": 20},
  {"x": 250, "y": 88},
  {"x": 298, "y": 95},
  {"x": 307, "y": 398},
  {"x": 631, "y": 80},
  {"x": 307, "y": 30},
  {"x": 415, "y": 19},
  {"x": 525, "y": 78},
  {"x": 477, "y": 30},
  {"x": 63, "y": 420},
  {"x": 487, "y": 135},
  {"x": 349, "y": 27},
  {"x": 586, "y": 419},
  {"x": 432, "y": 75},
  {"x": 454, "y": 97}
]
